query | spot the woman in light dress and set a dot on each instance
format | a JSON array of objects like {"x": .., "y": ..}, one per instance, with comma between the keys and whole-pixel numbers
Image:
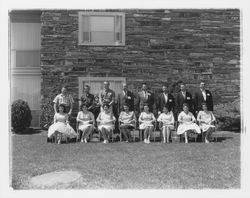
[
  {"x": 61, "y": 126},
  {"x": 206, "y": 121},
  {"x": 86, "y": 122},
  {"x": 127, "y": 121},
  {"x": 146, "y": 121},
  {"x": 166, "y": 120},
  {"x": 187, "y": 123},
  {"x": 106, "y": 122}
]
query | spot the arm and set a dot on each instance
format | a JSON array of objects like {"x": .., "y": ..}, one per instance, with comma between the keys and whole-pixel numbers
[
  {"x": 78, "y": 117},
  {"x": 71, "y": 104},
  {"x": 100, "y": 98},
  {"x": 55, "y": 118},
  {"x": 67, "y": 119},
  {"x": 112, "y": 99},
  {"x": 180, "y": 118},
  {"x": 55, "y": 108},
  {"x": 172, "y": 119},
  {"x": 92, "y": 118}
]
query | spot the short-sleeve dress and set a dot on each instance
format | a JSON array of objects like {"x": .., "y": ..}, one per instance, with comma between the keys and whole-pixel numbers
[
  {"x": 61, "y": 126},
  {"x": 206, "y": 118},
  {"x": 126, "y": 119},
  {"x": 86, "y": 118},
  {"x": 167, "y": 119},
  {"x": 146, "y": 120},
  {"x": 106, "y": 121},
  {"x": 187, "y": 123}
]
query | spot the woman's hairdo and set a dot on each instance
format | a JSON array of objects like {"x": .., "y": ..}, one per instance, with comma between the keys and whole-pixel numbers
[
  {"x": 202, "y": 104},
  {"x": 64, "y": 107},
  {"x": 127, "y": 105},
  {"x": 105, "y": 104},
  {"x": 167, "y": 106},
  {"x": 185, "y": 105},
  {"x": 82, "y": 105}
]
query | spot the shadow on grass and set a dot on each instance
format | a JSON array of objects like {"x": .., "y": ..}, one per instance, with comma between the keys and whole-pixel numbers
[
  {"x": 28, "y": 131},
  {"x": 220, "y": 139}
]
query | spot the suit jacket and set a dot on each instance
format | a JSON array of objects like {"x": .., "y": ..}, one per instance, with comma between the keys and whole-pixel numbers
[
  {"x": 129, "y": 99},
  {"x": 161, "y": 102},
  {"x": 141, "y": 100},
  {"x": 180, "y": 100},
  {"x": 88, "y": 99},
  {"x": 199, "y": 99}
]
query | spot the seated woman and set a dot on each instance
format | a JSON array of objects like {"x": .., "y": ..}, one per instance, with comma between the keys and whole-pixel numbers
[
  {"x": 127, "y": 121},
  {"x": 206, "y": 121},
  {"x": 61, "y": 126},
  {"x": 86, "y": 122},
  {"x": 146, "y": 121},
  {"x": 166, "y": 119},
  {"x": 105, "y": 122},
  {"x": 187, "y": 122}
]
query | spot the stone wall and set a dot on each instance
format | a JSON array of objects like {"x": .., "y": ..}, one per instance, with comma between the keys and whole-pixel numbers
[{"x": 162, "y": 46}]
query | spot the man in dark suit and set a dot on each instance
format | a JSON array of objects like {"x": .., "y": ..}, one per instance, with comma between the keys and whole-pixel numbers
[
  {"x": 165, "y": 98},
  {"x": 184, "y": 97},
  {"x": 87, "y": 98},
  {"x": 203, "y": 96},
  {"x": 125, "y": 97},
  {"x": 145, "y": 97}
]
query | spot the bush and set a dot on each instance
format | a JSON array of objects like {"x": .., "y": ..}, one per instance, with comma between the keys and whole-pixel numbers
[
  {"x": 20, "y": 116},
  {"x": 228, "y": 116}
]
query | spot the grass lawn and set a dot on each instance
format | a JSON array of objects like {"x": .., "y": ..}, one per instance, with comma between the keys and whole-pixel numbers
[{"x": 130, "y": 165}]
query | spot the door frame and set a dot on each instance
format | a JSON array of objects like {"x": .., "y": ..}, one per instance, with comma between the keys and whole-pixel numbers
[{"x": 101, "y": 79}]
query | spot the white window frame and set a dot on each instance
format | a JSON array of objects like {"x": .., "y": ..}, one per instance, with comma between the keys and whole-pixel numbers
[{"x": 114, "y": 14}]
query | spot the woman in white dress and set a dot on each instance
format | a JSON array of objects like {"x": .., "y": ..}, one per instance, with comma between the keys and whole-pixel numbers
[
  {"x": 127, "y": 121},
  {"x": 187, "y": 122},
  {"x": 146, "y": 123},
  {"x": 206, "y": 121},
  {"x": 86, "y": 122},
  {"x": 166, "y": 120},
  {"x": 106, "y": 122},
  {"x": 61, "y": 126}
]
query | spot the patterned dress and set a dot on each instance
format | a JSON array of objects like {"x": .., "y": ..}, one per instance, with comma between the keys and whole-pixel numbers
[
  {"x": 60, "y": 125},
  {"x": 187, "y": 123},
  {"x": 127, "y": 118}
]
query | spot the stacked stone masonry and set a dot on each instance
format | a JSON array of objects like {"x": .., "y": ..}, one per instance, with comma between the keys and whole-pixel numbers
[{"x": 161, "y": 46}]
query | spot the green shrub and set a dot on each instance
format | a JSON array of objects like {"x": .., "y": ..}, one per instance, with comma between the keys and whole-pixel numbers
[
  {"x": 228, "y": 116},
  {"x": 20, "y": 116}
]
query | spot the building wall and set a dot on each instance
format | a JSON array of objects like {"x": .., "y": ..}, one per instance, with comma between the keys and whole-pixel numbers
[{"x": 162, "y": 46}]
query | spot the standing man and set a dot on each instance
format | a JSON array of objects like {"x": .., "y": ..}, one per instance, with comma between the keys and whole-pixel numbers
[
  {"x": 203, "y": 96},
  {"x": 145, "y": 97},
  {"x": 107, "y": 95},
  {"x": 126, "y": 97},
  {"x": 87, "y": 98},
  {"x": 184, "y": 97},
  {"x": 65, "y": 99},
  {"x": 165, "y": 98}
]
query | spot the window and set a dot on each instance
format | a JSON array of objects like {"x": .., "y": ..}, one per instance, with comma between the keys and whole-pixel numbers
[
  {"x": 25, "y": 45},
  {"x": 101, "y": 28}
]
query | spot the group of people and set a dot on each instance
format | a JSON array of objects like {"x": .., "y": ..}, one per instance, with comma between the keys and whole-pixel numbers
[{"x": 193, "y": 114}]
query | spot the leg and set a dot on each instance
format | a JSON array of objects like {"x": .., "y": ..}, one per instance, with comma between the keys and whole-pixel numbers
[
  {"x": 150, "y": 131},
  {"x": 145, "y": 134},
  {"x": 186, "y": 136},
  {"x": 87, "y": 133},
  {"x": 124, "y": 132},
  {"x": 164, "y": 134},
  {"x": 168, "y": 133},
  {"x": 103, "y": 132},
  {"x": 208, "y": 134}
]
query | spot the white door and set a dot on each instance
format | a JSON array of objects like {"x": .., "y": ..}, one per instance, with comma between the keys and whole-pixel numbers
[
  {"x": 28, "y": 89},
  {"x": 96, "y": 84}
]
